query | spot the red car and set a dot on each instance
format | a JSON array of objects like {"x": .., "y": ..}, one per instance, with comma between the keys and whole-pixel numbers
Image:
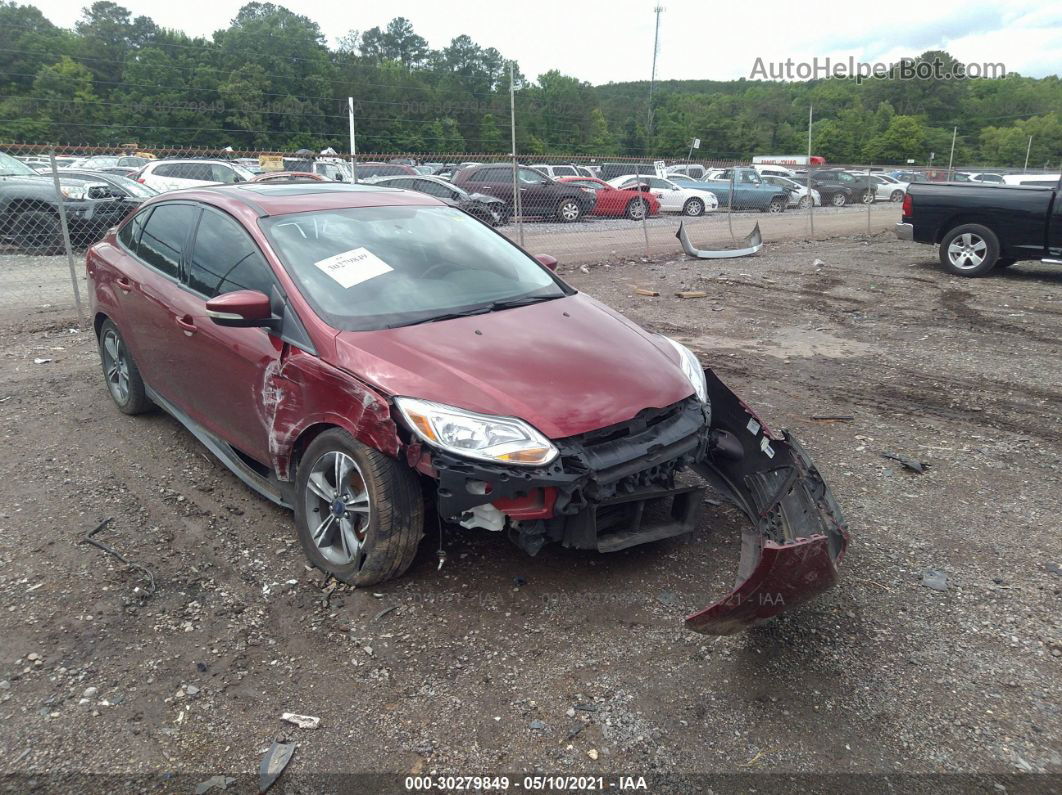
[
  {"x": 362, "y": 355},
  {"x": 616, "y": 202}
]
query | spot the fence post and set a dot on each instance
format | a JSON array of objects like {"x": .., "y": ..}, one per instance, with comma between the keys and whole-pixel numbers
[
  {"x": 66, "y": 238},
  {"x": 811, "y": 203},
  {"x": 517, "y": 209}
]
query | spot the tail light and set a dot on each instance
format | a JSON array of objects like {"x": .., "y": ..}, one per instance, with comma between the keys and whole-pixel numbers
[{"x": 907, "y": 204}]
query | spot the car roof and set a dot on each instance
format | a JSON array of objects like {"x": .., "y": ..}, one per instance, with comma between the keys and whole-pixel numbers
[{"x": 264, "y": 199}]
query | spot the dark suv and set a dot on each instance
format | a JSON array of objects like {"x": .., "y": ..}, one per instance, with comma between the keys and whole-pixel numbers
[
  {"x": 860, "y": 186},
  {"x": 539, "y": 195}
]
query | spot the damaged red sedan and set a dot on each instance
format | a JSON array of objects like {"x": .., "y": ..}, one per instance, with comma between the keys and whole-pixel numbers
[{"x": 365, "y": 356}]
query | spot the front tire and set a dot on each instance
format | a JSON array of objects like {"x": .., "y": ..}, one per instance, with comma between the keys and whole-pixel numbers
[
  {"x": 896, "y": 196},
  {"x": 776, "y": 206},
  {"x": 120, "y": 372},
  {"x": 867, "y": 197},
  {"x": 839, "y": 200},
  {"x": 693, "y": 208},
  {"x": 359, "y": 514},
  {"x": 804, "y": 203},
  {"x": 38, "y": 232},
  {"x": 969, "y": 250}
]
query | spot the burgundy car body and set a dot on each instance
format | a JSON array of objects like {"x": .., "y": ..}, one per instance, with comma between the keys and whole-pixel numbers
[{"x": 611, "y": 396}]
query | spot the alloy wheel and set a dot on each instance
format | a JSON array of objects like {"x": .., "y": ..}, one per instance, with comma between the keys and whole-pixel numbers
[
  {"x": 116, "y": 366},
  {"x": 338, "y": 507},
  {"x": 967, "y": 251}
]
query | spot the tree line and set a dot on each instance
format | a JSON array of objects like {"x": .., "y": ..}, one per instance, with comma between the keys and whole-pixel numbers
[{"x": 270, "y": 81}]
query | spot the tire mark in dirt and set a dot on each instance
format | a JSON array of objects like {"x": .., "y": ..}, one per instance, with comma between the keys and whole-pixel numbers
[{"x": 958, "y": 303}]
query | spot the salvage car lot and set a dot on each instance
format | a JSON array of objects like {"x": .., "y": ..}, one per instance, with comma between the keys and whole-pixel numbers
[{"x": 494, "y": 662}]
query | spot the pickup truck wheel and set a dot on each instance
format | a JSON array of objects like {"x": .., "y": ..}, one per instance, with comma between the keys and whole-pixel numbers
[
  {"x": 776, "y": 206},
  {"x": 839, "y": 200},
  {"x": 896, "y": 196},
  {"x": 120, "y": 372},
  {"x": 569, "y": 211},
  {"x": 359, "y": 514},
  {"x": 38, "y": 232},
  {"x": 969, "y": 250},
  {"x": 693, "y": 208}
]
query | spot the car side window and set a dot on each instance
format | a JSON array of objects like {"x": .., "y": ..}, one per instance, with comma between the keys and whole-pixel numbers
[
  {"x": 225, "y": 259},
  {"x": 432, "y": 188},
  {"x": 165, "y": 235},
  {"x": 219, "y": 172},
  {"x": 129, "y": 235}
]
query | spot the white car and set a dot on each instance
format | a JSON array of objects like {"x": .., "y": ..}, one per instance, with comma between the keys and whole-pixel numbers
[
  {"x": 163, "y": 175},
  {"x": 979, "y": 176},
  {"x": 673, "y": 198},
  {"x": 566, "y": 170},
  {"x": 889, "y": 188},
  {"x": 769, "y": 170},
  {"x": 798, "y": 192},
  {"x": 1039, "y": 180}
]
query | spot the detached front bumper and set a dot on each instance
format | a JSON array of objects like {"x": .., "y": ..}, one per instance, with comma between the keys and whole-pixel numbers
[
  {"x": 796, "y": 536},
  {"x": 629, "y": 484}
]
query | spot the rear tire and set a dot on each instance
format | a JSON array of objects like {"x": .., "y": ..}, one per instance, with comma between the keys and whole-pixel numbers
[
  {"x": 867, "y": 197},
  {"x": 776, "y": 206},
  {"x": 120, "y": 372},
  {"x": 896, "y": 196},
  {"x": 569, "y": 211},
  {"x": 636, "y": 209},
  {"x": 969, "y": 250},
  {"x": 839, "y": 200},
  {"x": 693, "y": 208},
  {"x": 804, "y": 203},
  {"x": 388, "y": 536}
]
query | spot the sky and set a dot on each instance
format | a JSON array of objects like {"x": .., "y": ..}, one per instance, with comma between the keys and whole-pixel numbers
[{"x": 603, "y": 41}]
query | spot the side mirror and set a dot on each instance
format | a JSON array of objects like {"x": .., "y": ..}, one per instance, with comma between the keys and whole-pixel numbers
[
  {"x": 548, "y": 261},
  {"x": 241, "y": 309},
  {"x": 340, "y": 178}
]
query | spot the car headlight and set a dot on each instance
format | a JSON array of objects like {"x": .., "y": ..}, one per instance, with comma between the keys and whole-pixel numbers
[
  {"x": 505, "y": 440},
  {"x": 77, "y": 193},
  {"x": 692, "y": 369}
]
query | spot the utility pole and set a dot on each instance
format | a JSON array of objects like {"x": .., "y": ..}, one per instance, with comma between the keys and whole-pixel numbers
[
  {"x": 517, "y": 210},
  {"x": 951, "y": 157},
  {"x": 652, "y": 79}
]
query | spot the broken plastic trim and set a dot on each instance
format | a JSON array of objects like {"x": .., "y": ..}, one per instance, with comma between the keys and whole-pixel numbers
[
  {"x": 797, "y": 535},
  {"x": 753, "y": 243}
]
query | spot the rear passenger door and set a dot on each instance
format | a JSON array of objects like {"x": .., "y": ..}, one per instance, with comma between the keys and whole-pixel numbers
[
  {"x": 227, "y": 376},
  {"x": 151, "y": 293}
]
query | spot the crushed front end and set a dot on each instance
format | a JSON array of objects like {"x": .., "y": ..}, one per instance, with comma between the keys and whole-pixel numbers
[{"x": 637, "y": 481}]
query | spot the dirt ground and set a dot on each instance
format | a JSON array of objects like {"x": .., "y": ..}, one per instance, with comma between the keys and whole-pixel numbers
[{"x": 569, "y": 662}]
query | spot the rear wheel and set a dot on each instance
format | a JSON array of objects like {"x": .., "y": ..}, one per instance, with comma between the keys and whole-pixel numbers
[
  {"x": 568, "y": 211},
  {"x": 38, "y": 232},
  {"x": 839, "y": 200},
  {"x": 896, "y": 196},
  {"x": 693, "y": 208},
  {"x": 969, "y": 250},
  {"x": 776, "y": 206},
  {"x": 636, "y": 209},
  {"x": 120, "y": 372},
  {"x": 867, "y": 197},
  {"x": 359, "y": 514}
]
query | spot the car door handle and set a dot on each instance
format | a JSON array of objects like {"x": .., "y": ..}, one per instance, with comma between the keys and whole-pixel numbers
[
  {"x": 124, "y": 284},
  {"x": 187, "y": 325}
]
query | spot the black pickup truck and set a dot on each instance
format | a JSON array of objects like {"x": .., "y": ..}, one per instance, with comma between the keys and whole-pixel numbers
[
  {"x": 982, "y": 227},
  {"x": 29, "y": 207}
]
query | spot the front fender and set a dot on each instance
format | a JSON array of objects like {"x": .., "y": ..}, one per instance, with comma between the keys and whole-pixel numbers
[{"x": 796, "y": 535}]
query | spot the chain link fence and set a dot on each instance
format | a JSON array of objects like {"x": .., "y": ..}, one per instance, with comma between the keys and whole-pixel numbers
[{"x": 580, "y": 209}]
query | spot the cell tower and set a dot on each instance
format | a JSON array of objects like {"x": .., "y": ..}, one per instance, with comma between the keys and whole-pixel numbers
[{"x": 652, "y": 80}]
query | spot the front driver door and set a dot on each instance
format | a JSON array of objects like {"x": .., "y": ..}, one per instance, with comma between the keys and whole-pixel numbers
[{"x": 229, "y": 377}]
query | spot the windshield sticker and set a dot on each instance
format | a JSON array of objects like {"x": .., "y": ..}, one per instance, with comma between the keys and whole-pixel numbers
[{"x": 354, "y": 267}]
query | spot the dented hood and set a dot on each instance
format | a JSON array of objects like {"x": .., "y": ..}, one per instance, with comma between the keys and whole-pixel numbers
[{"x": 566, "y": 366}]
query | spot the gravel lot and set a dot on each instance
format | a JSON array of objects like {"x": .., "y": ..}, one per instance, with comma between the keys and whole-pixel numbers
[{"x": 571, "y": 662}]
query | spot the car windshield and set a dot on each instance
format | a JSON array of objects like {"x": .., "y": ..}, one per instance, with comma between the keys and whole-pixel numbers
[
  {"x": 136, "y": 188},
  {"x": 9, "y": 167},
  {"x": 382, "y": 267}
]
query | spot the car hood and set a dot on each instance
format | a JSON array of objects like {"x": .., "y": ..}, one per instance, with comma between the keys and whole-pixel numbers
[{"x": 566, "y": 366}]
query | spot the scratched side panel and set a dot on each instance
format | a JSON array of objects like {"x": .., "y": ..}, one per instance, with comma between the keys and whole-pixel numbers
[{"x": 302, "y": 391}]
